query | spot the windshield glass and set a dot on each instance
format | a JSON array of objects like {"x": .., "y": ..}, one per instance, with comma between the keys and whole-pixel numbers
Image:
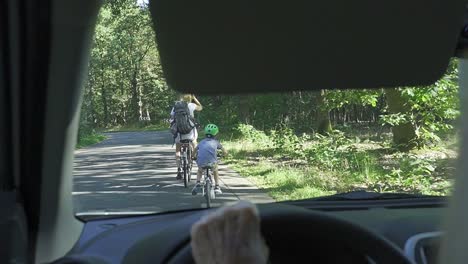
[{"x": 142, "y": 145}]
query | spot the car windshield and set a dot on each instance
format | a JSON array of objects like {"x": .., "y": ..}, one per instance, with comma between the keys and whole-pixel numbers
[{"x": 144, "y": 148}]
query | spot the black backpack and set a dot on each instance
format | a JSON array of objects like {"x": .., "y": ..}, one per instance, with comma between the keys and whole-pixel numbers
[{"x": 183, "y": 121}]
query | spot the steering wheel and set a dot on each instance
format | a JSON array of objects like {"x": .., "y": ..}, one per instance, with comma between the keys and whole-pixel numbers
[{"x": 286, "y": 223}]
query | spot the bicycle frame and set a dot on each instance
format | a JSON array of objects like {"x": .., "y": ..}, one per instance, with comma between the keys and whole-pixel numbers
[
  {"x": 207, "y": 187},
  {"x": 207, "y": 179},
  {"x": 185, "y": 150}
]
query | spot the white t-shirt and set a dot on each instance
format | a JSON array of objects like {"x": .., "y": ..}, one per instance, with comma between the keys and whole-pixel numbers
[{"x": 193, "y": 135}]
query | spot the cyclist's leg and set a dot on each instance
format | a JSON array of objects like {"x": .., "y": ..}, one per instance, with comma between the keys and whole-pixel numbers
[
  {"x": 177, "y": 153},
  {"x": 199, "y": 173},
  {"x": 194, "y": 152},
  {"x": 216, "y": 174},
  {"x": 195, "y": 138},
  {"x": 217, "y": 188},
  {"x": 178, "y": 147},
  {"x": 197, "y": 187}
]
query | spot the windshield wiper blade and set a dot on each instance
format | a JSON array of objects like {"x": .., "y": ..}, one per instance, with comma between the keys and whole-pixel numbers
[
  {"x": 113, "y": 214},
  {"x": 365, "y": 195}
]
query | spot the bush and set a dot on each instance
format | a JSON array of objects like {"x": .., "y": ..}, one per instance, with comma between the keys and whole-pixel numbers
[
  {"x": 89, "y": 140},
  {"x": 85, "y": 129},
  {"x": 252, "y": 135},
  {"x": 325, "y": 150},
  {"x": 411, "y": 174},
  {"x": 286, "y": 141}
]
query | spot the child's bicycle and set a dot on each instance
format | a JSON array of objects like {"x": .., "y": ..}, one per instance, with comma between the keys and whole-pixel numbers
[{"x": 207, "y": 185}]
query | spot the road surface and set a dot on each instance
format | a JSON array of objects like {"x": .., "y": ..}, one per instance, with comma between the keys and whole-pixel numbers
[{"x": 135, "y": 172}]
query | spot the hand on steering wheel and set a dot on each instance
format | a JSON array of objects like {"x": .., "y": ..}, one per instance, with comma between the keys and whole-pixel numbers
[{"x": 217, "y": 236}]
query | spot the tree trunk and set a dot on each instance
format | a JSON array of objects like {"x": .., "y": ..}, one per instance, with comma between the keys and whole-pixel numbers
[
  {"x": 105, "y": 105},
  {"x": 244, "y": 109},
  {"x": 355, "y": 113},
  {"x": 404, "y": 135},
  {"x": 91, "y": 102},
  {"x": 345, "y": 116},
  {"x": 134, "y": 106},
  {"x": 323, "y": 116}
]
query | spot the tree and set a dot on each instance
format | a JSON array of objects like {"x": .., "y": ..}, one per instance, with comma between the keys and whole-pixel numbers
[
  {"x": 418, "y": 114},
  {"x": 125, "y": 85},
  {"x": 404, "y": 133},
  {"x": 323, "y": 114}
]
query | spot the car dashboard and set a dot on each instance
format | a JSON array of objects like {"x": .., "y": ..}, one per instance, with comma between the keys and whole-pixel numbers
[{"x": 413, "y": 225}]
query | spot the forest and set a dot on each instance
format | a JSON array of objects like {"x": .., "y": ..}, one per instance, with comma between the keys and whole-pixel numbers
[{"x": 295, "y": 145}]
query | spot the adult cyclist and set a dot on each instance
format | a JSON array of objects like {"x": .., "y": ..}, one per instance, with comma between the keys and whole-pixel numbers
[{"x": 193, "y": 105}]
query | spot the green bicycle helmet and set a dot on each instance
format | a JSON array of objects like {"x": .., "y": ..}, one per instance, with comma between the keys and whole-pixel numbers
[{"x": 211, "y": 129}]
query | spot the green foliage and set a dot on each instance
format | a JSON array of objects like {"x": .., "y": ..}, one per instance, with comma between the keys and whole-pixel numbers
[
  {"x": 252, "y": 135},
  {"x": 395, "y": 119},
  {"x": 125, "y": 85},
  {"x": 410, "y": 174},
  {"x": 284, "y": 183},
  {"x": 87, "y": 134},
  {"x": 338, "y": 99},
  {"x": 432, "y": 109},
  {"x": 314, "y": 164},
  {"x": 285, "y": 141},
  {"x": 338, "y": 153},
  {"x": 90, "y": 139}
]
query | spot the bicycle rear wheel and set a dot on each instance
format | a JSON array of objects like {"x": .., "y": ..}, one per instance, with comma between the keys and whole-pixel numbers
[
  {"x": 185, "y": 168},
  {"x": 208, "y": 194},
  {"x": 190, "y": 165}
]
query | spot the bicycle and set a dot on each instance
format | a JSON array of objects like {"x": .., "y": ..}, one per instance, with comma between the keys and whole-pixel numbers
[
  {"x": 207, "y": 185},
  {"x": 186, "y": 161}
]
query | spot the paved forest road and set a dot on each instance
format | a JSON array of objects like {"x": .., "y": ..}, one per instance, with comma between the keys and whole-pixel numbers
[{"x": 135, "y": 172}]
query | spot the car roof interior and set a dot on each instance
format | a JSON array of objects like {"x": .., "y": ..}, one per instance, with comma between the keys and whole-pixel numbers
[{"x": 206, "y": 47}]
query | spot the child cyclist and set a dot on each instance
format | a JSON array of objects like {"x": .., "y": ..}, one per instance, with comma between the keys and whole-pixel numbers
[{"x": 206, "y": 155}]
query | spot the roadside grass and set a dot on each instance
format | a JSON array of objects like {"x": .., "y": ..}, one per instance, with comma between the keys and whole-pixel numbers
[
  {"x": 90, "y": 140},
  {"x": 136, "y": 128},
  {"x": 327, "y": 165},
  {"x": 282, "y": 182}
]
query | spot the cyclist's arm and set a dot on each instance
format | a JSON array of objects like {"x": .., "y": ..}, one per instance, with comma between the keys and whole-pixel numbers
[
  {"x": 223, "y": 150},
  {"x": 199, "y": 107},
  {"x": 172, "y": 112},
  {"x": 172, "y": 116}
]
